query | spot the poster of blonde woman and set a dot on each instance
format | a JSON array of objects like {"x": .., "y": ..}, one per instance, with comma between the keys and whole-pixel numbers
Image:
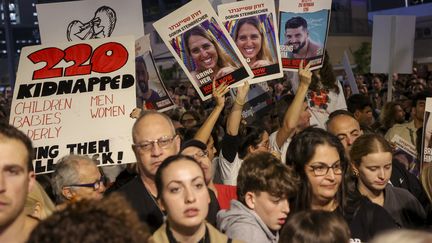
[
  {"x": 252, "y": 26},
  {"x": 202, "y": 47}
]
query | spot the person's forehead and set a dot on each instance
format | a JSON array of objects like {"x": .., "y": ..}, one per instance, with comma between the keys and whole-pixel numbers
[
  {"x": 88, "y": 169},
  {"x": 299, "y": 29},
  {"x": 197, "y": 40},
  {"x": 12, "y": 152},
  {"x": 182, "y": 170},
  {"x": 343, "y": 124},
  {"x": 153, "y": 126}
]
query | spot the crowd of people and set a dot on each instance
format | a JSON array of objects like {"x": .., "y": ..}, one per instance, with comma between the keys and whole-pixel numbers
[{"x": 311, "y": 170}]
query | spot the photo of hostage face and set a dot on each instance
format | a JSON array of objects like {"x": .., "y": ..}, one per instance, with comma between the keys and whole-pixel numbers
[
  {"x": 210, "y": 61},
  {"x": 250, "y": 39},
  {"x": 297, "y": 37},
  {"x": 142, "y": 75}
]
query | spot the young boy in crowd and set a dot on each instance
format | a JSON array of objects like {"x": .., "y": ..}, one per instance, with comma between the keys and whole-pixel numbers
[{"x": 264, "y": 186}]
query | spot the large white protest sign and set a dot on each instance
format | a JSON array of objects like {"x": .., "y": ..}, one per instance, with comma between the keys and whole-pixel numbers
[
  {"x": 151, "y": 91},
  {"x": 84, "y": 20},
  {"x": 252, "y": 26},
  {"x": 76, "y": 98},
  {"x": 392, "y": 46},
  {"x": 203, "y": 47},
  {"x": 303, "y": 28}
]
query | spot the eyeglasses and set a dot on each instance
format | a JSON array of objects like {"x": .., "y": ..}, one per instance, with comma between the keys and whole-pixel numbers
[
  {"x": 323, "y": 169},
  {"x": 200, "y": 154},
  {"x": 162, "y": 142},
  {"x": 96, "y": 185}
]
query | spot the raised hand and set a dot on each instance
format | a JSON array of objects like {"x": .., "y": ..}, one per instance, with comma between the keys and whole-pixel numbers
[
  {"x": 219, "y": 93},
  {"x": 242, "y": 92},
  {"x": 305, "y": 74}
]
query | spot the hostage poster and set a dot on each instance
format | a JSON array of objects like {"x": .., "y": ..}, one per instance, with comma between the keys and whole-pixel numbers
[
  {"x": 251, "y": 24},
  {"x": 75, "y": 98},
  {"x": 303, "y": 29},
  {"x": 202, "y": 47},
  {"x": 151, "y": 91}
]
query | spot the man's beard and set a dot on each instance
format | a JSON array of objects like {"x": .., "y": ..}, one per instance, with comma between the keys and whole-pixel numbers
[{"x": 301, "y": 45}]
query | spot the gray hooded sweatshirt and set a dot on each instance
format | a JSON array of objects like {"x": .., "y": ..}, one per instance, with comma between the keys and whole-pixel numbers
[{"x": 240, "y": 222}]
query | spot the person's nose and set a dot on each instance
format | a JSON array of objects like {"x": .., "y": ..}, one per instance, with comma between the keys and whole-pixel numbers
[
  {"x": 381, "y": 174},
  {"x": 2, "y": 183},
  {"x": 330, "y": 174},
  {"x": 285, "y": 207},
  {"x": 156, "y": 151},
  {"x": 189, "y": 195}
]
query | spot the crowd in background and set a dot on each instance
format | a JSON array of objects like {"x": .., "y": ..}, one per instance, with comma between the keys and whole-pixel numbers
[{"x": 204, "y": 174}]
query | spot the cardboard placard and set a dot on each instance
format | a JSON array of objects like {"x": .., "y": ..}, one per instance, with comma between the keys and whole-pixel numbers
[
  {"x": 252, "y": 26},
  {"x": 202, "y": 47},
  {"x": 76, "y": 98}
]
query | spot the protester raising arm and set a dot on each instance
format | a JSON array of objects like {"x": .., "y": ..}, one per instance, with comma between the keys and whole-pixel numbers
[
  {"x": 291, "y": 118},
  {"x": 234, "y": 118},
  {"x": 205, "y": 130}
]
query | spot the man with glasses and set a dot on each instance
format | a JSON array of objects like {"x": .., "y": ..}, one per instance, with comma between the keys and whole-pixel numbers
[
  {"x": 154, "y": 139},
  {"x": 77, "y": 177}
]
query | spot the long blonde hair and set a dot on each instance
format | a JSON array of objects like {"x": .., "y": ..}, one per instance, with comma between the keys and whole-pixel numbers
[
  {"x": 38, "y": 197},
  {"x": 264, "y": 53}
]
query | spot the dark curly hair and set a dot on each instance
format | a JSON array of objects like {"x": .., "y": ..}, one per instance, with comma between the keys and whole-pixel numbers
[
  {"x": 90, "y": 221},
  {"x": 263, "y": 172}
]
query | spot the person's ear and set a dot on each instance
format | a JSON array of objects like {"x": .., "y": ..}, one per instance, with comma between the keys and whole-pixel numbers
[
  {"x": 251, "y": 149},
  {"x": 355, "y": 169},
  {"x": 37, "y": 211},
  {"x": 250, "y": 200},
  {"x": 68, "y": 193},
  {"x": 357, "y": 114},
  {"x": 32, "y": 180},
  {"x": 177, "y": 142}
]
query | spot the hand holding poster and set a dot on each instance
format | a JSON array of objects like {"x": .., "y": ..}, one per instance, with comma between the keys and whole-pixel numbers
[
  {"x": 303, "y": 29},
  {"x": 69, "y": 97},
  {"x": 406, "y": 154},
  {"x": 252, "y": 26},
  {"x": 202, "y": 47},
  {"x": 150, "y": 89}
]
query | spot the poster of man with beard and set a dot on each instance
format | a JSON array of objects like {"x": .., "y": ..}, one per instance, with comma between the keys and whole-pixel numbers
[{"x": 303, "y": 29}]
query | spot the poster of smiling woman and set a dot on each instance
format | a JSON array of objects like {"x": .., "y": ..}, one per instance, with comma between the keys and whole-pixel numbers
[
  {"x": 303, "y": 28},
  {"x": 252, "y": 26},
  {"x": 202, "y": 47}
]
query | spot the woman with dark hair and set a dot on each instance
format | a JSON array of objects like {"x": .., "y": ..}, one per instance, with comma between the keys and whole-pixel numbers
[
  {"x": 206, "y": 54},
  {"x": 319, "y": 159},
  {"x": 183, "y": 194},
  {"x": 250, "y": 39},
  {"x": 371, "y": 158}
]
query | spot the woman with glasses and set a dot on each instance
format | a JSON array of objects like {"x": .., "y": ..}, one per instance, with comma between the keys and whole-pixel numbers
[
  {"x": 371, "y": 158},
  {"x": 183, "y": 194},
  {"x": 319, "y": 159}
]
